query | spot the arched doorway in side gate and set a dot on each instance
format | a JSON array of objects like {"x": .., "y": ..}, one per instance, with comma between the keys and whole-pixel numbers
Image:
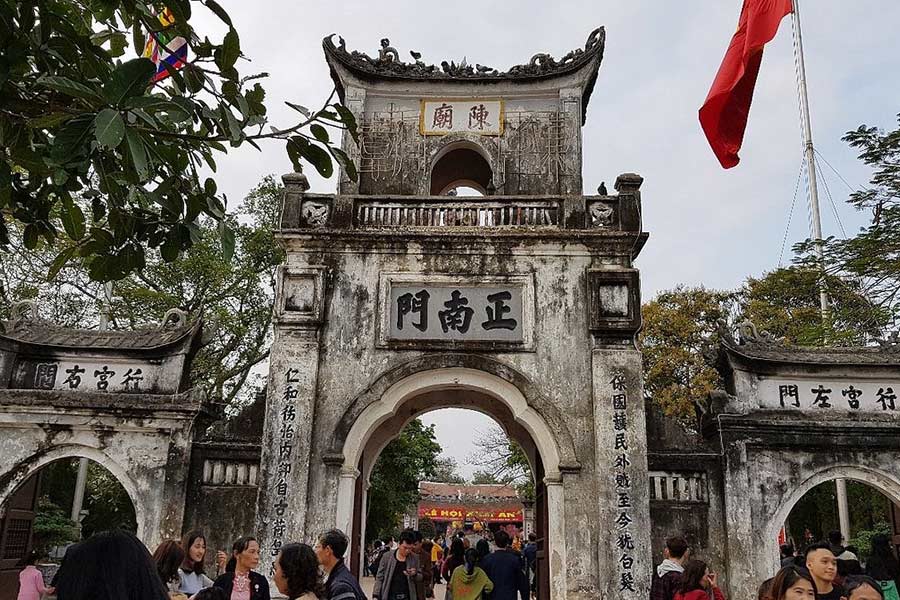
[
  {"x": 37, "y": 515},
  {"x": 878, "y": 482},
  {"x": 472, "y": 389}
]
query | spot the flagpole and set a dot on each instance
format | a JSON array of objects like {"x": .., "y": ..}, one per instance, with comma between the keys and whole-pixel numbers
[
  {"x": 809, "y": 151},
  {"x": 816, "y": 226}
]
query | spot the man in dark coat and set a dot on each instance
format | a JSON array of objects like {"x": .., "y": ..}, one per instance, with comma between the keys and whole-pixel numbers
[
  {"x": 506, "y": 568},
  {"x": 667, "y": 577},
  {"x": 340, "y": 584}
]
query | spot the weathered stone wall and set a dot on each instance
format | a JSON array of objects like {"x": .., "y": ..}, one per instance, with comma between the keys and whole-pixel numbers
[
  {"x": 676, "y": 451},
  {"x": 538, "y": 152},
  {"x": 143, "y": 440}
]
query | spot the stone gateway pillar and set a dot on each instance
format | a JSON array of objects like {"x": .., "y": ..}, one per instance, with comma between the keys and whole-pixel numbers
[{"x": 464, "y": 268}]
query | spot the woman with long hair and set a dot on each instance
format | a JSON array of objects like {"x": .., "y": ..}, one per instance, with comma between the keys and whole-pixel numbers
[
  {"x": 168, "y": 558},
  {"x": 792, "y": 583},
  {"x": 240, "y": 581},
  {"x": 109, "y": 566},
  {"x": 469, "y": 582},
  {"x": 697, "y": 582},
  {"x": 883, "y": 566},
  {"x": 297, "y": 574},
  {"x": 192, "y": 574},
  {"x": 455, "y": 559}
]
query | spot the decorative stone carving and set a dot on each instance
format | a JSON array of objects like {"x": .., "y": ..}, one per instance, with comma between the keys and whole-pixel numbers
[
  {"x": 174, "y": 319},
  {"x": 601, "y": 214},
  {"x": 314, "y": 214},
  {"x": 615, "y": 300},
  {"x": 388, "y": 63},
  {"x": 23, "y": 313}
]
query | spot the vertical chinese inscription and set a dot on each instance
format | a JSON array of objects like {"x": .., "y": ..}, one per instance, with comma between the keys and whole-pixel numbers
[
  {"x": 284, "y": 449},
  {"x": 621, "y": 471}
]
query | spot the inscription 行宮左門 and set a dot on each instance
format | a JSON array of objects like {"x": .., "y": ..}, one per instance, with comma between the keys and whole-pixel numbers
[
  {"x": 456, "y": 313},
  {"x": 816, "y": 395},
  {"x": 461, "y": 115}
]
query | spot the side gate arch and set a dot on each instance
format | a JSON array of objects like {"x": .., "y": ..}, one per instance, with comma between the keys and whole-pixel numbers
[{"x": 790, "y": 419}]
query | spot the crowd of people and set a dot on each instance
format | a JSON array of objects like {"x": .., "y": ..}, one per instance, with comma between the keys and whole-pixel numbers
[
  {"x": 473, "y": 566},
  {"x": 115, "y": 565},
  {"x": 825, "y": 570}
]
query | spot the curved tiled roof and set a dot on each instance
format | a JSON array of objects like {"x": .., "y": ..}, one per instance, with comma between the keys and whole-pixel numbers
[
  {"x": 388, "y": 66},
  {"x": 761, "y": 346},
  {"x": 45, "y": 334}
]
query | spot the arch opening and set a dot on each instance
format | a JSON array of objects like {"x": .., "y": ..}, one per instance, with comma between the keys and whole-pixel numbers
[
  {"x": 463, "y": 170},
  {"x": 473, "y": 390},
  {"x": 42, "y": 514},
  {"x": 810, "y": 513}
]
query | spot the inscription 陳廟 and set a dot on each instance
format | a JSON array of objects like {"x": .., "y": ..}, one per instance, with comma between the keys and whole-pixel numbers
[{"x": 461, "y": 115}]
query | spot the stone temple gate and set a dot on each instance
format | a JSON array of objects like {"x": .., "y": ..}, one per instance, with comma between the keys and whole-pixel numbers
[{"x": 397, "y": 298}]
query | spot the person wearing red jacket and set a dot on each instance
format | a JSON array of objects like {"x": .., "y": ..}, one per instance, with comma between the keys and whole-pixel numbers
[{"x": 697, "y": 583}]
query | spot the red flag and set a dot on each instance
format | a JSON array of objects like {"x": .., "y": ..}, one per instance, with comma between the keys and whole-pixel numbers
[{"x": 724, "y": 114}]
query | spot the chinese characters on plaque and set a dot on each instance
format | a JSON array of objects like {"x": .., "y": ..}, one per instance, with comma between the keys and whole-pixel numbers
[
  {"x": 624, "y": 541},
  {"x": 283, "y": 450},
  {"x": 90, "y": 376},
  {"x": 452, "y": 313},
  {"x": 474, "y": 115},
  {"x": 815, "y": 395}
]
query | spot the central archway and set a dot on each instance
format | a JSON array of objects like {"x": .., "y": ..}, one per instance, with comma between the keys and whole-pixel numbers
[{"x": 458, "y": 388}]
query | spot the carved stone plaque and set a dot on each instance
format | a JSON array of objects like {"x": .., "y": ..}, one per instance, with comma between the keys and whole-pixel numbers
[
  {"x": 472, "y": 115},
  {"x": 443, "y": 310}
]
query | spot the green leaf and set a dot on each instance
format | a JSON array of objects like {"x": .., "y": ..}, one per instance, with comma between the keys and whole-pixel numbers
[
  {"x": 345, "y": 162},
  {"x": 66, "y": 86},
  {"x": 131, "y": 78},
  {"x": 138, "y": 38},
  {"x": 109, "y": 128},
  {"x": 348, "y": 120},
  {"x": 319, "y": 132},
  {"x": 220, "y": 12},
  {"x": 230, "y": 50},
  {"x": 319, "y": 159},
  {"x": 300, "y": 109},
  {"x": 49, "y": 121},
  {"x": 226, "y": 234},
  {"x": 60, "y": 261},
  {"x": 72, "y": 219},
  {"x": 138, "y": 154}
]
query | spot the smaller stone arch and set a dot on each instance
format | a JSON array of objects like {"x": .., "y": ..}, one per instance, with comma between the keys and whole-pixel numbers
[
  {"x": 886, "y": 483},
  {"x": 20, "y": 472},
  {"x": 462, "y": 159}
]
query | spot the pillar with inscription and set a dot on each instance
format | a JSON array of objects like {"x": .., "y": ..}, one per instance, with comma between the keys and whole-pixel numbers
[{"x": 465, "y": 267}]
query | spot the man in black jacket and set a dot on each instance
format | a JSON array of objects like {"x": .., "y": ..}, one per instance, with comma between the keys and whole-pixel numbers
[
  {"x": 340, "y": 584},
  {"x": 506, "y": 568}
]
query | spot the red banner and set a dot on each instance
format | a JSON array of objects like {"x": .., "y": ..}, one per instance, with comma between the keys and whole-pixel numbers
[{"x": 493, "y": 514}]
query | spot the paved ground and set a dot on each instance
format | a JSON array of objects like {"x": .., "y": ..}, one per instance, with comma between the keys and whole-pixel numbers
[{"x": 369, "y": 582}]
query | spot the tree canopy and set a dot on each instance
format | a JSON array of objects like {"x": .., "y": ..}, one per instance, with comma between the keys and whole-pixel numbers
[
  {"x": 233, "y": 296},
  {"x": 394, "y": 484},
  {"x": 871, "y": 258},
  {"x": 100, "y": 154}
]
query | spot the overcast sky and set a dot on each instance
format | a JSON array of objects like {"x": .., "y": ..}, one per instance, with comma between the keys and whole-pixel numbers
[{"x": 707, "y": 225}]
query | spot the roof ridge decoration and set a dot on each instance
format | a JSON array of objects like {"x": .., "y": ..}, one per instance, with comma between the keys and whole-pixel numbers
[
  {"x": 25, "y": 325},
  {"x": 388, "y": 64}
]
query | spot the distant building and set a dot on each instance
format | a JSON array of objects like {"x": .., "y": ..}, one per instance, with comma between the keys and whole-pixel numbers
[{"x": 458, "y": 506}]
